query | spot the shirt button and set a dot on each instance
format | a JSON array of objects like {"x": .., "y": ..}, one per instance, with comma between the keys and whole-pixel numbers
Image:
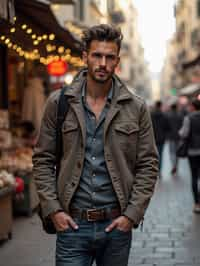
[
  {"x": 93, "y": 158},
  {"x": 94, "y": 139},
  {"x": 94, "y": 174}
]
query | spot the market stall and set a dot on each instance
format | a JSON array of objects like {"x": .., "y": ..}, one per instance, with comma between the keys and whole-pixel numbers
[{"x": 16, "y": 159}]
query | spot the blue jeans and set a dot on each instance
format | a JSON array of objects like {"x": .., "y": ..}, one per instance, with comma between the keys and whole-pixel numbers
[
  {"x": 91, "y": 243},
  {"x": 160, "y": 152}
]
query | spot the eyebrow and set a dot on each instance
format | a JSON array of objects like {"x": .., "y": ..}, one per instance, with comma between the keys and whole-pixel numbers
[{"x": 101, "y": 53}]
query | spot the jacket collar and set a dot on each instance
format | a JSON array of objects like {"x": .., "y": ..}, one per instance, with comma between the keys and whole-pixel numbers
[{"x": 121, "y": 93}]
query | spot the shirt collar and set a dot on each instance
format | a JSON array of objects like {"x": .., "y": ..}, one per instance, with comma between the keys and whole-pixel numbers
[{"x": 109, "y": 97}]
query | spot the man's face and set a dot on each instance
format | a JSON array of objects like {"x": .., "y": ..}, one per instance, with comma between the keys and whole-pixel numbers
[{"x": 101, "y": 59}]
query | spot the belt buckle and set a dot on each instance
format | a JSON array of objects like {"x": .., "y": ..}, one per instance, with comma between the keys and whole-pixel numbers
[{"x": 89, "y": 213}]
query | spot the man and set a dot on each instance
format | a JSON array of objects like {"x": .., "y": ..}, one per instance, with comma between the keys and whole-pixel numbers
[
  {"x": 161, "y": 129},
  {"x": 109, "y": 164},
  {"x": 190, "y": 130}
]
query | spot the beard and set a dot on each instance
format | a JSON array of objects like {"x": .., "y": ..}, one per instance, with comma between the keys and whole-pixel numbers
[{"x": 99, "y": 77}]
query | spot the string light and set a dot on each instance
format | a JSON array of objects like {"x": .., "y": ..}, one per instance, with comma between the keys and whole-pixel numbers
[
  {"x": 29, "y": 31},
  {"x": 24, "y": 26},
  {"x": 35, "y": 42},
  {"x": 12, "y": 30},
  {"x": 51, "y": 37},
  {"x": 44, "y": 37},
  {"x": 7, "y": 41},
  {"x": 64, "y": 53},
  {"x": 61, "y": 50}
]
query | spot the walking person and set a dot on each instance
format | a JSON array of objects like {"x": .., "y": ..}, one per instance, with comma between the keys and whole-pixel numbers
[
  {"x": 161, "y": 128},
  {"x": 175, "y": 120},
  {"x": 109, "y": 164},
  {"x": 191, "y": 131}
]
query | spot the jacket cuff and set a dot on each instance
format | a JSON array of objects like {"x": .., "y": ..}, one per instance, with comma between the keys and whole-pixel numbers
[
  {"x": 133, "y": 215},
  {"x": 50, "y": 206}
]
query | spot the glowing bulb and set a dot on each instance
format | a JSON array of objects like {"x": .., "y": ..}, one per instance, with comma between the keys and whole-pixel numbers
[
  {"x": 10, "y": 45},
  {"x": 24, "y": 26},
  {"x": 67, "y": 51},
  {"x": 19, "y": 49},
  {"x": 51, "y": 36},
  {"x": 33, "y": 36},
  {"x": 61, "y": 49},
  {"x": 29, "y": 31},
  {"x": 12, "y": 30},
  {"x": 21, "y": 53},
  {"x": 44, "y": 36},
  {"x": 15, "y": 46},
  {"x": 35, "y": 51},
  {"x": 39, "y": 38},
  {"x": 3, "y": 37},
  {"x": 7, "y": 41},
  {"x": 68, "y": 57},
  {"x": 35, "y": 42},
  {"x": 48, "y": 48}
]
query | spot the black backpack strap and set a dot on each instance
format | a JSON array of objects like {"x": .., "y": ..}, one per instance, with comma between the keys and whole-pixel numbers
[{"x": 61, "y": 113}]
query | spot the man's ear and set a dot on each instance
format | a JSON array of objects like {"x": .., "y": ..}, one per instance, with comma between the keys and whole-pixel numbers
[
  {"x": 84, "y": 57},
  {"x": 118, "y": 60}
]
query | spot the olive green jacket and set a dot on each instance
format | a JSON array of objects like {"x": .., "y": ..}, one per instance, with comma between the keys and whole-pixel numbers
[{"x": 129, "y": 149}]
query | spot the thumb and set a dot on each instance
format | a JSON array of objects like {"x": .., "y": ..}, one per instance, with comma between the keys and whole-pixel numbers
[
  {"x": 72, "y": 223},
  {"x": 111, "y": 227}
]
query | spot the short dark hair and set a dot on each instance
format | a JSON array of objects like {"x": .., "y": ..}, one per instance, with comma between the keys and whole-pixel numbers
[
  {"x": 196, "y": 103},
  {"x": 102, "y": 32}
]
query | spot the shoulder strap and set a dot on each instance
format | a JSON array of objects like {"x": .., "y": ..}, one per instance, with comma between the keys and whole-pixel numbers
[{"x": 61, "y": 113}]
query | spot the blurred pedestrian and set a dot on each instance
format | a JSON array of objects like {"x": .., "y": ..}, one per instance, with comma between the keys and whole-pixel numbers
[
  {"x": 175, "y": 119},
  {"x": 109, "y": 165},
  {"x": 191, "y": 131},
  {"x": 161, "y": 128}
]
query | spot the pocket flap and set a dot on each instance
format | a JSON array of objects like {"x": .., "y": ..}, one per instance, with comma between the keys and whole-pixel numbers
[
  {"x": 69, "y": 126},
  {"x": 127, "y": 128}
]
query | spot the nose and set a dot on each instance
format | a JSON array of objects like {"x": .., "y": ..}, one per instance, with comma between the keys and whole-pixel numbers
[{"x": 103, "y": 61}]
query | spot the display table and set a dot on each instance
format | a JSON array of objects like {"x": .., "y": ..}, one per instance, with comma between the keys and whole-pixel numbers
[{"x": 6, "y": 213}]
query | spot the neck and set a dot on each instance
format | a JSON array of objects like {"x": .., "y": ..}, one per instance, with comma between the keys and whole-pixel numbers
[{"x": 96, "y": 89}]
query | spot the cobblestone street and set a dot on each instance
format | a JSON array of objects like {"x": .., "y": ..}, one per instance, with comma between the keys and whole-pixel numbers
[{"x": 170, "y": 236}]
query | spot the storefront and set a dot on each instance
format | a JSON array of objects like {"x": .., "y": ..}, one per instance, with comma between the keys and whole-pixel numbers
[{"x": 30, "y": 42}]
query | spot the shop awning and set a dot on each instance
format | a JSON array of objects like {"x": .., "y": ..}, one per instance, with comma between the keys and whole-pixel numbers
[
  {"x": 38, "y": 20},
  {"x": 190, "y": 89}
]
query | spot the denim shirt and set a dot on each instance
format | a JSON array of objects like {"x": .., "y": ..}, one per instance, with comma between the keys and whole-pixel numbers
[{"x": 95, "y": 189}]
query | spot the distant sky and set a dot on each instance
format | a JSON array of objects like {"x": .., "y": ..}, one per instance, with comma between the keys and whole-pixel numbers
[{"x": 156, "y": 24}]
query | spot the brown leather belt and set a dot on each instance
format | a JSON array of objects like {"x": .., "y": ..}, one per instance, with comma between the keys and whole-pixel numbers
[{"x": 94, "y": 215}]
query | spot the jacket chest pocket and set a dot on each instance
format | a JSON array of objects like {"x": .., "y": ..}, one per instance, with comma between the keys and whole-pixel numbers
[
  {"x": 127, "y": 134},
  {"x": 69, "y": 132}
]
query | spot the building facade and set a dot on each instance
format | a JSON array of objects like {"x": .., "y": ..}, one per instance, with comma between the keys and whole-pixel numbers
[{"x": 182, "y": 63}]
